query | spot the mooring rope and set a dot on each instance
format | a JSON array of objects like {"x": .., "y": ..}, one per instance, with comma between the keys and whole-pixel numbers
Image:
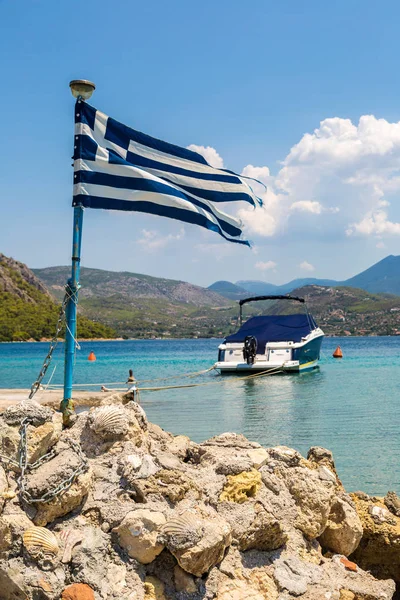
[
  {"x": 191, "y": 385},
  {"x": 215, "y": 382},
  {"x": 178, "y": 376}
]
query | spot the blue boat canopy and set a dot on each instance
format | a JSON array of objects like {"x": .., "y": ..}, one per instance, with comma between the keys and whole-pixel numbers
[{"x": 275, "y": 328}]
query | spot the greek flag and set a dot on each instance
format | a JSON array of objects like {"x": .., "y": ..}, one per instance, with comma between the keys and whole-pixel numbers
[{"x": 119, "y": 168}]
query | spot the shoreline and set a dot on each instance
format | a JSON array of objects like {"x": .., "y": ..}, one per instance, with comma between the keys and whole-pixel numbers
[{"x": 172, "y": 339}]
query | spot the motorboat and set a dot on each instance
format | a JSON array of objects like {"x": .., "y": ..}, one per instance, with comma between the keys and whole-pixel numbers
[{"x": 282, "y": 342}]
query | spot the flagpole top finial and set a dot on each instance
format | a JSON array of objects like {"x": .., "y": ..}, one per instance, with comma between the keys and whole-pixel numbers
[{"x": 82, "y": 87}]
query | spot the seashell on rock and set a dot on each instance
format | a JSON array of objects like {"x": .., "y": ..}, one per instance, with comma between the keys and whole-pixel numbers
[
  {"x": 110, "y": 420},
  {"x": 39, "y": 540},
  {"x": 70, "y": 537},
  {"x": 184, "y": 530}
]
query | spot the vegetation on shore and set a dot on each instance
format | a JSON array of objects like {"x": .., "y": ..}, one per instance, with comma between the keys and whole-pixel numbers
[{"x": 28, "y": 312}]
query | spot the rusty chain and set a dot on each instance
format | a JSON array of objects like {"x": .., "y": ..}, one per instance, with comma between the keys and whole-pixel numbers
[{"x": 63, "y": 486}]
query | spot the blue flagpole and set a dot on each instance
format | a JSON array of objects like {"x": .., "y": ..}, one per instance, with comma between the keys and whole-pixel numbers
[
  {"x": 72, "y": 288},
  {"x": 81, "y": 89}
]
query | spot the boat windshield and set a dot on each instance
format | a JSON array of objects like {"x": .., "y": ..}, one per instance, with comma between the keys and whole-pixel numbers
[{"x": 270, "y": 305}]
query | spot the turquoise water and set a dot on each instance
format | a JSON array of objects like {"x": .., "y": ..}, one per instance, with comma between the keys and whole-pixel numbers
[{"x": 351, "y": 406}]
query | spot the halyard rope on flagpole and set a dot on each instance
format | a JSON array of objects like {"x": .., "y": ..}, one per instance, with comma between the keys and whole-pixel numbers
[{"x": 61, "y": 321}]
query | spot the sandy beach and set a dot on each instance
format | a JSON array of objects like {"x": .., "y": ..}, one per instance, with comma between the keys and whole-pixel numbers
[{"x": 50, "y": 398}]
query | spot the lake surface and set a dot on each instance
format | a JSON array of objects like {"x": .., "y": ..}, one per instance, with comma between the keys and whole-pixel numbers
[{"x": 351, "y": 406}]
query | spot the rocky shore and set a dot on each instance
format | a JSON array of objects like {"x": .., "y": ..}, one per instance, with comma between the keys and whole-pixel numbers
[{"x": 117, "y": 508}]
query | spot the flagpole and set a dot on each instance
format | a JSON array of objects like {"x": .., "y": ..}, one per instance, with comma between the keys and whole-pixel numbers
[
  {"x": 72, "y": 288},
  {"x": 82, "y": 90}
]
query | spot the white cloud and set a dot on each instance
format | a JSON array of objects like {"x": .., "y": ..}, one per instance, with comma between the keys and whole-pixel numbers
[
  {"x": 262, "y": 220},
  {"x": 380, "y": 245},
  {"x": 151, "y": 240},
  {"x": 265, "y": 266},
  {"x": 210, "y": 154},
  {"x": 260, "y": 173},
  {"x": 306, "y": 266},
  {"x": 351, "y": 172},
  {"x": 310, "y": 206},
  {"x": 342, "y": 178},
  {"x": 375, "y": 223}
]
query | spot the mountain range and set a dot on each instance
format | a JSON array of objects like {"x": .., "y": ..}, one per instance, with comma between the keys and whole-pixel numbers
[
  {"x": 383, "y": 277},
  {"x": 136, "y": 305}
]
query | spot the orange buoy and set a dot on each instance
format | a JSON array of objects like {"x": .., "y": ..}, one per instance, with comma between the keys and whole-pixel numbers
[
  {"x": 92, "y": 356},
  {"x": 338, "y": 353}
]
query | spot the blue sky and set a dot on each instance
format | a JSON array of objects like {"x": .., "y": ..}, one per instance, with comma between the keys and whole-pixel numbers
[{"x": 252, "y": 81}]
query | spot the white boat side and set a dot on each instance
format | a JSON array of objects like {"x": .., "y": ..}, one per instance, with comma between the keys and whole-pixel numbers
[{"x": 283, "y": 355}]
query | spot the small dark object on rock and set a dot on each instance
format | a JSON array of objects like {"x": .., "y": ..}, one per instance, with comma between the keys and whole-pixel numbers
[
  {"x": 361, "y": 495},
  {"x": 392, "y": 502}
]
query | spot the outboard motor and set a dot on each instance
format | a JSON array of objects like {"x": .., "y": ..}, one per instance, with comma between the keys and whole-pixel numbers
[{"x": 250, "y": 349}]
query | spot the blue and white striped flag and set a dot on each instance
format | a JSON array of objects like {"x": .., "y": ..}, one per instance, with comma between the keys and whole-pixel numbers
[{"x": 119, "y": 168}]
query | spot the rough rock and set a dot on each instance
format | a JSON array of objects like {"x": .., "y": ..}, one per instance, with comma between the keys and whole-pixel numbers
[
  {"x": 167, "y": 483},
  {"x": 225, "y": 459},
  {"x": 159, "y": 439},
  {"x": 49, "y": 476},
  {"x": 9, "y": 440},
  {"x": 146, "y": 469},
  {"x": 199, "y": 559},
  {"x": 28, "y": 582},
  {"x": 313, "y": 498},
  {"x": 284, "y": 455},
  {"x": 230, "y": 440},
  {"x": 95, "y": 443},
  {"x": 239, "y": 488},
  {"x": 179, "y": 446},
  {"x": 378, "y": 550},
  {"x": 158, "y": 517},
  {"x": 321, "y": 456},
  {"x": 294, "y": 575},
  {"x": 3, "y": 487},
  {"x": 183, "y": 581},
  {"x": 252, "y": 526},
  {"x": 78, "y": 591},
  {"x": 154, "y": 589},
  {"x": 12, "y": 527},
  {"x": 238, "y": 589},
  {"x": 259, "y": 457},
  {"x": 37, "y": 414},
  {"x": 138, "y": 534},
  {"x": 91, "y": 558},
  {"x": 344, "y": 529},
  {"x": 40, "y": 438},
  {"x": 392, "y": 502}
]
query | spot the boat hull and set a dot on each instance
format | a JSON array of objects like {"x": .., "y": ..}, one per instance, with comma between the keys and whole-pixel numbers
[{"x": 285, "y": 357}]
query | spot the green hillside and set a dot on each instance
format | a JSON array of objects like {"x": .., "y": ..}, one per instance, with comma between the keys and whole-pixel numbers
[
  {"x": 345, "y": 310},
  {"x": 27, "y": 311}
]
